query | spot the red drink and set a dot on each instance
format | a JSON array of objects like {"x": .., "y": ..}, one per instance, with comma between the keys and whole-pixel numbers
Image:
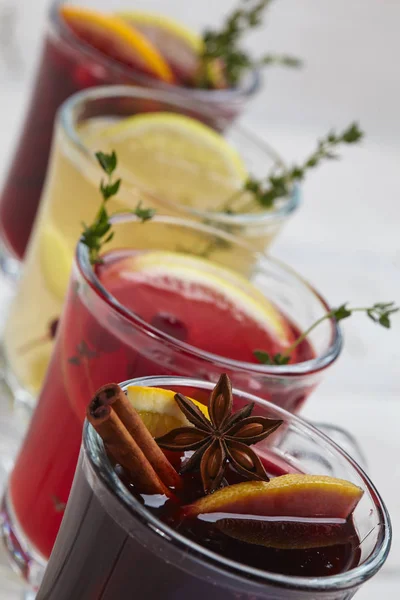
[
  {"x": 92, "y": 562},
  {"x": 320, "y": 561},
  {"x": 92, "y": 348},
  {"x": 69, "y": 65}
]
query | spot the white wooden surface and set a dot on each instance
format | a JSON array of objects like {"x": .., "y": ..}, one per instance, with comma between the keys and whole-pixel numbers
[{"x": 345, "y": 238}]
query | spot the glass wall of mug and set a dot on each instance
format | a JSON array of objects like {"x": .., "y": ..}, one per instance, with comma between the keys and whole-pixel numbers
[
  {"x": 107, "y": 335},
  {"x": 68, "y": 65},
  {"x": 71, "y": 197},
  {"x": 134, "y": 552}
]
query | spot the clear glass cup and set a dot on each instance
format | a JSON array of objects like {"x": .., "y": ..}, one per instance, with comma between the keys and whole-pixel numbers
[
  {"x": 67, "y": 66},
  {"x": 71, "y": 196},
  {"x": 99, "y": 340},
  {"x": 111, "y": 545}
]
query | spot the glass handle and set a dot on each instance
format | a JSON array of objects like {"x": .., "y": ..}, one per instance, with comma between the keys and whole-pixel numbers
[{"x": 345, "y": 440}]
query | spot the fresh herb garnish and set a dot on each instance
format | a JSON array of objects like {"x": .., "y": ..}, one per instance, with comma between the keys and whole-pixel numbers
[
  {"x": 267, "y": 359},
  {"x": 223, "y": 46},
  {"x": 380, "y": 313},
  {"x": 265, "y": 192},
  {"x": 145, "y": 214},
  {"x": 99, "y": 233}
]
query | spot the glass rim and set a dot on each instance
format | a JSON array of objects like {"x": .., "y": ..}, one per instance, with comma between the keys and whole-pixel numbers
[
  {"x": 248, "y": 88},
  {"x": 66, "y": 119},
  {"x": 349, "y": 579},
  {"x": 300, "y": 369}
]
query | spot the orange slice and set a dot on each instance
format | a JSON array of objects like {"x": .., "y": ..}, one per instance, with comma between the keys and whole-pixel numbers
[
  {"x": 180, "y": 46},
  {"x": 295, "y": 495},
  {"x": 117, "y": 39},
  {"x": 158, "y": 409}
]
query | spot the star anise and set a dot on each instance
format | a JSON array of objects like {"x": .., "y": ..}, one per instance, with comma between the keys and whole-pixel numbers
[{"x": 223, "y": 439}]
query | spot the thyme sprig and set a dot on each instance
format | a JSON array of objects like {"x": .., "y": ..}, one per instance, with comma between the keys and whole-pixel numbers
[
  {"x": 379, "y": 313},
  {"x": 99, "y": 233},
  {"x": 279, "y": 184},
  {"x": 224, "y": 46}
]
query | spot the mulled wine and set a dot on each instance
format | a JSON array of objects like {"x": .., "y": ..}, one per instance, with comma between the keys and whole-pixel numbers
[{"x": 273, "y": 534}]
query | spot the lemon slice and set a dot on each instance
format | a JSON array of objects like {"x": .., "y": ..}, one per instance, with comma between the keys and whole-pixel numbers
[
  {"x": 117, "y": 39},
  {"x": 56, "y": 260},
  {"x": 158, "y": 409},
  {"x": 192, "y": 273},
  {"x": 180, "y": 46},
  {"x": 175, "y": 158}
]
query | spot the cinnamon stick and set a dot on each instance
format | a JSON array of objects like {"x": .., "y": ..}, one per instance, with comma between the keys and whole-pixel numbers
[
  {"x": 138, "y": 430},
  {"x": 129, "y": 442}
]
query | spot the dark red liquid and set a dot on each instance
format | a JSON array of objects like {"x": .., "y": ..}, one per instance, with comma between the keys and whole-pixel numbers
[
  {"x": 211, "y": 531},
  {"x": 96, "y": 558},
  {"x": 96, "y": 345},
  {"x": 323, "y": 561},
  {"x": 65, "y": 68},
  {"x": 335, "y": 541}
]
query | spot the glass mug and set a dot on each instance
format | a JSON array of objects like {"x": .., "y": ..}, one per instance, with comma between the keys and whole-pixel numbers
[{"x": 111, "y": 545}]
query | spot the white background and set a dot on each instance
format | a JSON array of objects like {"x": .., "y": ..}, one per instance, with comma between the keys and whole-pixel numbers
[{"x": 346, "y": 236}]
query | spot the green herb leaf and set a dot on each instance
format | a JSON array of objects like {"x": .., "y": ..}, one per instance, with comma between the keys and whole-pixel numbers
[
  {"x": 110, "y": 189},
  {"x": 108, "y": 162},
  {"x": 341, "y": 313},
  {"x": 263, "y": 357},
  {"x": 381, "y": 312},
  {"x": 352, "y": 134},
  {"x": 285, "y": 60},
  {"x": 281, "y": 359},
  {"x": 267, "y": 359},
  {"x": 144, "y": 213}
]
